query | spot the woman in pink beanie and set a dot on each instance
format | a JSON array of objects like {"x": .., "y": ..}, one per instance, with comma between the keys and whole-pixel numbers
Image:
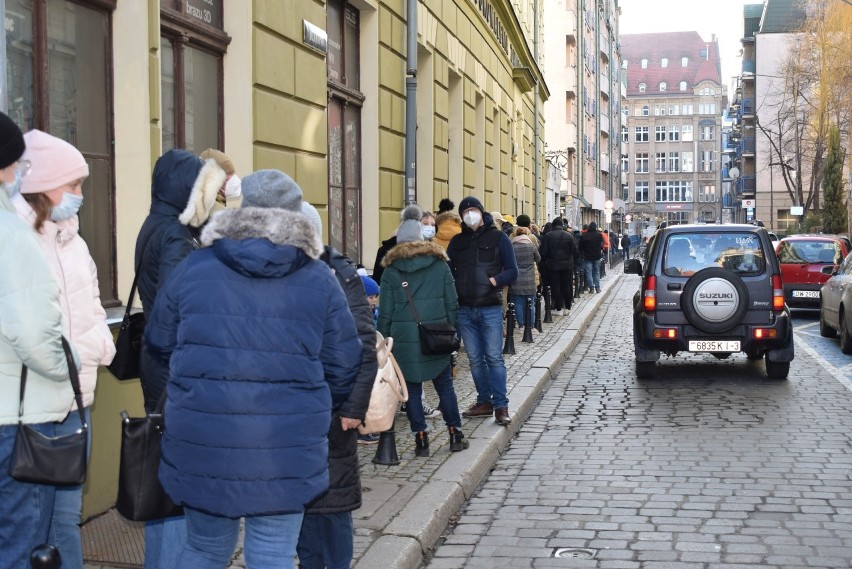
[{"x": 49, "y": 200}]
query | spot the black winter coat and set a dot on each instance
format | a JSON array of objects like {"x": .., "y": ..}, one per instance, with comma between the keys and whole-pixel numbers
[
  {"x": 378, "y": 268},
  {"x": 558, "y": 250},
  {"x": 591, "y": 245},
  {"x": 344, "y": 491}
]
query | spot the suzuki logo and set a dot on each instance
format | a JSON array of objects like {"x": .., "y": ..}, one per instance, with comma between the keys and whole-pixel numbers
[{"x": 715, "y": 295}]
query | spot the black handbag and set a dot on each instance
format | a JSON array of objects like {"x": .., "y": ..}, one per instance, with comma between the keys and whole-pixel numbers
[
  {"x": 40, "y": 459},
  {"x": 141, "y": 497},
  {"x": 128, "y": 344},
  {"x": 436, "y": 338}
]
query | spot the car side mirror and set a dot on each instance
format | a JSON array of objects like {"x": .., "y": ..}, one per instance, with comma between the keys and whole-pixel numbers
[
  {"x": 632, "y": 267},
  {"x": 829, "y": 270}
]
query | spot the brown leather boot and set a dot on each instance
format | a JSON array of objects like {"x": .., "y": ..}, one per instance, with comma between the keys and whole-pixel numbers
[
  {"x": 479, "y": 410},
  {"x": 501, "y": 416}
]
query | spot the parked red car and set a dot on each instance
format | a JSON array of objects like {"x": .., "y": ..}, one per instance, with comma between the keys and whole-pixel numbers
[{"x": 807, "y": 262}]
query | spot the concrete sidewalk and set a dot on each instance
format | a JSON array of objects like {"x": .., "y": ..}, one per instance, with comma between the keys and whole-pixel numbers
[{"x": 407, "y": 507}]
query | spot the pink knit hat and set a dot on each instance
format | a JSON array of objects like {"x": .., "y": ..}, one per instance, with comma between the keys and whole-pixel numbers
[{"x": 54, "y": 163}]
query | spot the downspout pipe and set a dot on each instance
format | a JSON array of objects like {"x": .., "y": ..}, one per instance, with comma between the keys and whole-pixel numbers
[
  {"x": 537, "y": 157},
  {"x": 411, "y": 106}
]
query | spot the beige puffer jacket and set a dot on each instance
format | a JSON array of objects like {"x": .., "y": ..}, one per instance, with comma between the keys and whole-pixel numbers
[{"x": 83, "y": 317}]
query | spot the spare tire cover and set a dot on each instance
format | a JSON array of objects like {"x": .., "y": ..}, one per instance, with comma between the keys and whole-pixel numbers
[{"x": 714, "y": 300}]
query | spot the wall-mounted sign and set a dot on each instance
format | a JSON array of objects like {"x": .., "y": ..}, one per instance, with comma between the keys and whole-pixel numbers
[
  {"x": 207, "y": 11},
  {"x": 797, "y": 210},
  {"x": 314, "y": 36},
  {"x": 749, "y": 203}
]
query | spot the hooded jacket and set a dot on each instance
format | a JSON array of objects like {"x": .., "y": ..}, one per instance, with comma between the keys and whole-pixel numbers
[
  {"x": 83, "y": 317},
  {"x": 30, "y": 327},
  {"x": 261, "y": 347},
  {"x": 181, "y": 185},
  {"x": 447, "y": 226},
  {"x": 423, "y": 265},
  {"x": 526, "y": 255}
]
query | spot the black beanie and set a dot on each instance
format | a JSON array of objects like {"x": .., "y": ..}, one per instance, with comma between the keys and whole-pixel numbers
[
  {"x": 470, "y": 202},
  {"x": 11, "y": 142}
]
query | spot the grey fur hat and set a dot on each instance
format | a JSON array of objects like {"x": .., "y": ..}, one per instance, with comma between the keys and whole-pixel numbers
[
  {"x": 271, "y": 188},
  {"x": 410, "y": 229}
]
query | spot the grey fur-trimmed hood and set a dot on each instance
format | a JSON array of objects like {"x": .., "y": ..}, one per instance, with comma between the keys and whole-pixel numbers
[{"x": 279, "y": 226}]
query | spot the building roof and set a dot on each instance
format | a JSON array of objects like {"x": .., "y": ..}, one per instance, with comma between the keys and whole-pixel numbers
[
  {"x": 702, "y": 61},
  {"x": 781, "y": 16},
  {"x": 751, "y": 19}
]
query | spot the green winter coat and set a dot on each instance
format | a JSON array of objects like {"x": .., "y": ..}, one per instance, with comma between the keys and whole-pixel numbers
[{"x": 423, "y": 265}]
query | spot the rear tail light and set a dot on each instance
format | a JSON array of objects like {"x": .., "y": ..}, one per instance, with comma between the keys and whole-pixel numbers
[
  {"x": 764, "y": 333},
  {"x": 777, "y": 293},
  {"x": 649, "y": 294},
  {"x": 665, "y": 333}
]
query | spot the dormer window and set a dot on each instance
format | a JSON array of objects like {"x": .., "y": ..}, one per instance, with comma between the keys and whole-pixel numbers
[
  {"x": 684, "y": 61},
  {"x": 624, "y": 64},
  {"x": 644, "y": 64},
  {"x": 662, "y": 87},
  {"x": 683, "y": 85},
  {"x": 665, "y": 62},
  {"x": 642, "y": 87}
]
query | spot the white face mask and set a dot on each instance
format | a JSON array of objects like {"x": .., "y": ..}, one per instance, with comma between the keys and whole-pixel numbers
[
  {"x": 472, "y": 218},
  {"x": 427, "y": 231},
  {"x": 67, "y": 208}
]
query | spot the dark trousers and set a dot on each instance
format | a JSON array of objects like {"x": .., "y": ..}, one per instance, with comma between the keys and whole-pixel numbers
[{"x": 562, "y": 288}]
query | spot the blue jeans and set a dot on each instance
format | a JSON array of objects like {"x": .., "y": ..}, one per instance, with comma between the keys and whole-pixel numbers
[
  {"x": 446, "y": 395},
  {"x": 164, "y": 540},
  {"x": 593, "y": 274},
  {"x": 326, "y": 541},
  {"x": 65, "y": 524},
  {"x": 270, "y": 541},
  {"x": 481, "y": 329},
  {"x": 520, "y": 301},
  {"x": 26, "y": 508}
]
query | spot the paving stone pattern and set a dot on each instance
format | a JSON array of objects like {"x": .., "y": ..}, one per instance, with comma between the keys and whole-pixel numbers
[{"x": 709, "y": 466}]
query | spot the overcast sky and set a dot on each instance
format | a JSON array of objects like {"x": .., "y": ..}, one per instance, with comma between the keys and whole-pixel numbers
[{"x": 707, "y": 17}]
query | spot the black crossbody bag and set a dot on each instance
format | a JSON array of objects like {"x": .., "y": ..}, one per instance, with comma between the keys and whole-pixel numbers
[{"x": 436, "y": 338}]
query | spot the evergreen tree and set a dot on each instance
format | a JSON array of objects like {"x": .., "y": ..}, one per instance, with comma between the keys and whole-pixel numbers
[{"x": 834, "y": 218}]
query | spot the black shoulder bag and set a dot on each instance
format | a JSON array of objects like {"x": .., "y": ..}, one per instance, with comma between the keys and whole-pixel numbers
[
  {"x": 436, "y": 338},
  {"x": 58, "y": 461},
  {"x": 128, "y": 344}
]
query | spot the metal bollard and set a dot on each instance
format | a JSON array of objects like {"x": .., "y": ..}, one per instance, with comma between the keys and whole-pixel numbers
[
  {"x": 509, "y": 346},
  {"x": 527, "y": 322},
  {"x": 548, "y": 305},
  {"x": 538, "y": 312}
]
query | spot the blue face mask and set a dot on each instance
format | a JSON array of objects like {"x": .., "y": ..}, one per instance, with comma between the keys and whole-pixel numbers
[
  {"x": 427, "y": 231},
  {"x": 15, "y": 187},
  {"x": 67, "y": 208}
]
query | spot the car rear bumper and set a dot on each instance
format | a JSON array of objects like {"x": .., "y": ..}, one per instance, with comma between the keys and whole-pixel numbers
[{"x": 744, "y": 333}]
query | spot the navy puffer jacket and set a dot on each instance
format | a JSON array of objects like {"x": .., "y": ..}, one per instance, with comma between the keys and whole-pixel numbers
[{"x": 262, "y": 347}]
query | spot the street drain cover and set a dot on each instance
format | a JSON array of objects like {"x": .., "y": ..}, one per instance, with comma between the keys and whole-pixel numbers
[{"x": 574, "y": 553}]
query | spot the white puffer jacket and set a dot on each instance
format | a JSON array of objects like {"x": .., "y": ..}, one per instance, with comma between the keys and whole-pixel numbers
[
  {"x": 30, "y": 327},
  {"x": 83, "y": 317}
]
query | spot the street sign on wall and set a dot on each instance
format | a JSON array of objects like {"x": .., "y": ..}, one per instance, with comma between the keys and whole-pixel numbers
[{"x": 749, "y": 203}]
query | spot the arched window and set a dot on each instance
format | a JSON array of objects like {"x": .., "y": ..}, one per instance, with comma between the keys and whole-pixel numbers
[
  {"x": 684, "y": 61},
  {"x": 663, "y": 86},
  {"x": 641, "y": 87},
  {"x": 683, "y": 85},
  {"x": 665, "y": 62},
  {"x": 644, "y": 64},
  {"x": 646, "y": 110}
]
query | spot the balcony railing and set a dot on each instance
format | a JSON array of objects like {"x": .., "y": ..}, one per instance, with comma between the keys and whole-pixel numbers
[
  {"x": 604, "y": 123},
  {"x": 748, "y": 67},
  {"x": 746, "y": 185},
  {"x": 747, "y": 146},
  {"x": 746, "y": 108}
]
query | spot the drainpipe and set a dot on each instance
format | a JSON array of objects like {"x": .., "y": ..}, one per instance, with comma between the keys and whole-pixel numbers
[
  {"x": 535, "y": 111},
  {"x": 411, "y": 106}
]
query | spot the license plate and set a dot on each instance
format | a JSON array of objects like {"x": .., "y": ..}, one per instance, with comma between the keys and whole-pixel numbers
[
  {"x": 714, "y": 345},
  {"x": 805, "y": 294}
]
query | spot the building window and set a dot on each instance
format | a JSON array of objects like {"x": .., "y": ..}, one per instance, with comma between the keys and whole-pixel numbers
[
  {"x": 707, "y": 108},
  {"x": 641, "y": 162},
  {"x": 686, "y": 109},
  {"x": 659, "y": 110},
  {"x": 686, "y": 131},
  {"x": 707, "y": 161},
  {"x": 641, "y": 133},
  {"x": 625, "y": 111},
  {"x": 663, "y": 87},
  {"x": 58, "y": 61},
  {"x": 677, "y": 217},
  {"x": 674, "y": 161},
  {"x": 191, "y": 54},
  {"x": 683, "y": 85},
  {"x": 706, "y": 132},
  {"x": 625, "y": 138},
  {"x": 625, "y": 163},
  {"x": 684, "y": 61},
  {"x": 660, "y": 133},
  {"x": 707, "y": 193},
  {"x": 641, "y": 192},
  {"x": 665, "y": 62},
  {"x": 673, "y": 191},
  {"x": 660, "y": 162},
  {"x": 686, "y": 162},
  {"x": 674, "y": 109},
  {"x": 646, "y": 110},
  {"x": 642, "y": 87},
  {"x": 344, "y": 128},
  {"x": 644, "y": 64},
  {"x": 674, "y": 133}
]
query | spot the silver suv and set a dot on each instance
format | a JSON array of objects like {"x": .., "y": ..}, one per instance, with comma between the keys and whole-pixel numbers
[{"x": 714, "y": 289}]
